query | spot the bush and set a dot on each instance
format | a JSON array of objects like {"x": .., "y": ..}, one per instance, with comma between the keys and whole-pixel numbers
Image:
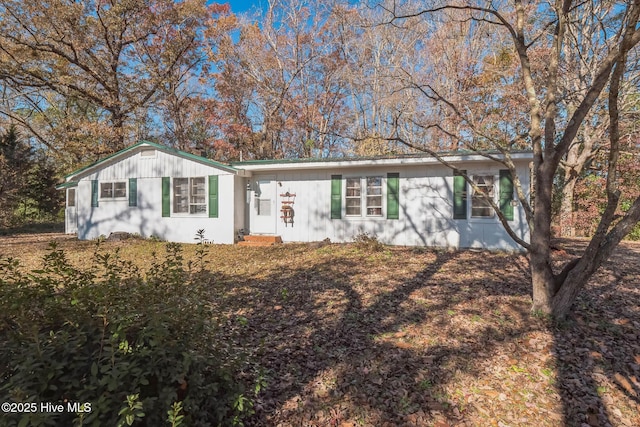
[
  {"x": 635, "y": 233},
  {"x": 367, "y": 242},
  {"x": 140, "y": 350}
]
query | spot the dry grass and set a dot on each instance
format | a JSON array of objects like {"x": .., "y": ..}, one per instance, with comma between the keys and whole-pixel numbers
[{"x": 414, "y": 337}]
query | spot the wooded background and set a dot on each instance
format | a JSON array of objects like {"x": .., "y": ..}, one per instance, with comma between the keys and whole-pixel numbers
[{"x": 82, "y": 79}]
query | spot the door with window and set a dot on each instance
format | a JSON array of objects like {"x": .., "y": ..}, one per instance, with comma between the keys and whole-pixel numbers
[{"x": 263, "y": 206}]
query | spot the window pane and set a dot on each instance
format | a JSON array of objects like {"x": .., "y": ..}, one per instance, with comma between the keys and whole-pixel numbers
[
  {"x": 353, "y": 205},
  {"x": 71, "y": 197},
  {"x": 480, "y": 205},
  {"x": 120, "y": 189},
  {"x": 353, "y": 197},
  {"x": 374, "y": 185},
  {"x": 374, "y": 191},
  {"x": 181, "y": 195},
  {"x": 197, "y": 209},
  {"x": 106, "y": 190},
  {"x": 198, "y": 194},
  {"x": 353, "y": 187},
  {"x": 353, "y": 210},
  {"x": 374, "y": 196},
  {"x": 264, "y": 207},
  {"x": 374, "y": 201}
]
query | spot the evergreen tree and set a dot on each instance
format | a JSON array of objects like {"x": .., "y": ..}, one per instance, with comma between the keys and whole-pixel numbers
[
  {"x": 40, "y": 196},
  {"x": 16, "y": 159}
]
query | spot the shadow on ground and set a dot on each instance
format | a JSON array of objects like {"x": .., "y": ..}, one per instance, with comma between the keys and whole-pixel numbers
[
  {"x": 407, "y": 337},
  {"x": 598, "y": 348}
]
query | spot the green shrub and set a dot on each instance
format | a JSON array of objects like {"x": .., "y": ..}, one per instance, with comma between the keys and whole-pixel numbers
[
  {"x": 142, "y": 350},
  {"x": 635, "y": 233}
]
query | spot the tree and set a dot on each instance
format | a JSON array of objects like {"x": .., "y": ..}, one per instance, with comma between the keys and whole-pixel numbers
[
  {"x": 16, "y": 158},
  {"x": 377, "y": 62},
  {"x": 583, "y": 35},
  {"x": 39, "y": 196},
  {"x": 279, "y": 83},
  {"x": 537, "y": 35},
  {"x": 113, "y": 55}
]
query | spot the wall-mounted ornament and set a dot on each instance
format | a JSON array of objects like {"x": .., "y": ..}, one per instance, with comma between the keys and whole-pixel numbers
[{"x": 287, "y": 212}]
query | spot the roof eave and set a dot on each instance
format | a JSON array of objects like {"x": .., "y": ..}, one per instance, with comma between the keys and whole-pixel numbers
[
  {"x": 68, "y": 184},
  {"x": 398, "y": 161}
]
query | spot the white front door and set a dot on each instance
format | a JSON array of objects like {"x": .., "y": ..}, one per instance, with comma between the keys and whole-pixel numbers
[{"x": 263, "y": 206}]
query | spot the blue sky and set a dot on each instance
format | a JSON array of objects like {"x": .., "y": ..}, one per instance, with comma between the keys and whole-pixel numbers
[{"x": 239, "y": 6}]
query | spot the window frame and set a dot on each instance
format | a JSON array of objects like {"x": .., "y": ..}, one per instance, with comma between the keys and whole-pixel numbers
[
  {"x": 376, "y": 195},
  {"x": 364, "y": 197},
  {"x": 190, "y": 207},
  {"x": 476, "y": 199},
  {"x": 357, "y": 197},
  {"x": 71, "y": 200},
  {"x": 113, "y": 197}
]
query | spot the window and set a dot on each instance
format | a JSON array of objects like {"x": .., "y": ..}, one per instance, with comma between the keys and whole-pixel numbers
[
  {"x": 71, "y": 197},
  {"x": 113, "y": 190},
  {"x": 371, "y": 198},
  {"x": 353, "y": 197},
  {"x": 263, "y": 206},
  {"x": 374, "y": 196},
  {"x": 480, "y": 205},
  {"x": 263, "y": 196},
  {"x": 189, "y": 195}
]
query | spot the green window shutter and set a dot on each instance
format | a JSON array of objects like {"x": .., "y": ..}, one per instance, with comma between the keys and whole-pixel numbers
[
  {"x": 133, "y": 191},
  {"x": 506, "y": 194},
  {"x": 336, "y": 196},
  {"x": 459, "y": 196},
  {"x": 94, "y": 193},
  {"x": 213, "y": 196},
  {"x": 393, "y": 195},
  {"x": 166, "y": 196}
]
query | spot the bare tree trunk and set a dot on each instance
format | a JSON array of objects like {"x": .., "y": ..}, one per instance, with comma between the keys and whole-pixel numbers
[
  {"x": 567, "y": 220},
  {"x": 542, "y": 278},
  {"x": 118, "y": 120}
]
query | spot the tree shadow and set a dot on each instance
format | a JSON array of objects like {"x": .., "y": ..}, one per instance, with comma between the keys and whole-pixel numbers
[
  {"x": 597, "y": 350},
  {"x": 342, "y": 342}
]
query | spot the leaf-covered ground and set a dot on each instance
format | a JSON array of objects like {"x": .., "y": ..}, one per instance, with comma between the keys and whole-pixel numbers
[{"x": 415, "y": 337}]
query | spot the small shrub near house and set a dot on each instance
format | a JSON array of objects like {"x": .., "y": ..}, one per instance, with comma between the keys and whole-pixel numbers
[
  {"x": 141, "y": 349},
  {"x": 367, "y": 242}
]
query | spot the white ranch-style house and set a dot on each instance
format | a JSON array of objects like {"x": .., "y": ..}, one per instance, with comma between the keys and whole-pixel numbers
[{"x": 152, "y": 190}]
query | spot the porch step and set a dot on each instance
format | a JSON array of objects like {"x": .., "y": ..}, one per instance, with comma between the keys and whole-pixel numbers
[{"x": 260, "y": 240}]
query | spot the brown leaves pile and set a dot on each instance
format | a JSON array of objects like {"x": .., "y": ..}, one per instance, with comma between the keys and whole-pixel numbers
[{"x": 423, "y": 338}]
